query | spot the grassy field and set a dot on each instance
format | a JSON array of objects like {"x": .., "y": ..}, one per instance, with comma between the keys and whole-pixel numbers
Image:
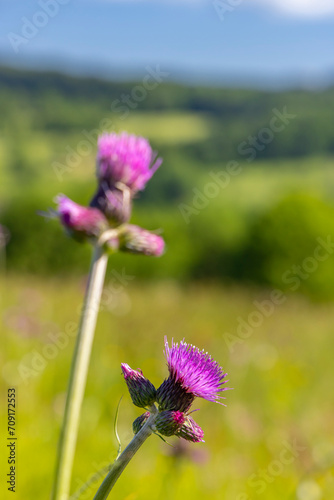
[
  {"x": 274, "y": 438},
  {"x": 272, "y": 441}
]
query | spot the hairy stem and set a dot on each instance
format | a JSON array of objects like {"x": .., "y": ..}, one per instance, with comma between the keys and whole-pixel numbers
[
  {"x": 122, "y": 461},
  {"x": 78, "y": 375}
]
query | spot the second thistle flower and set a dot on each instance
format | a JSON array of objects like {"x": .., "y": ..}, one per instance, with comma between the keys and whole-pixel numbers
[
  {"x": 125, "y": 163},
  {"x": 192, "y": 373}
]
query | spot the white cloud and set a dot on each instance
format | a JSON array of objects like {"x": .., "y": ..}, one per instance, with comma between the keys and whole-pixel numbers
[
  {"x": 307, "y": 8},
  {"x": 304, "y": 8}
]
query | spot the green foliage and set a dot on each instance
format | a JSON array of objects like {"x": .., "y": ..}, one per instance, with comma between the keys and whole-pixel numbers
[
  {"x": 243, "y": 231},
  {"x": 291, "y": 246}
]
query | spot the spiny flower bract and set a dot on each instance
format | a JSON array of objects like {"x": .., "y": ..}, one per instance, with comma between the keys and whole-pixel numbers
[
  {"x": 135, "y": 239},
  {"x": 141, "y": 390},
  {"x": 190, "y": 431}
]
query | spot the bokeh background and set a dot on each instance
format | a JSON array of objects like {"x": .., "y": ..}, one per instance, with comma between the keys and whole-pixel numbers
[{"x": 237, "y": 97}]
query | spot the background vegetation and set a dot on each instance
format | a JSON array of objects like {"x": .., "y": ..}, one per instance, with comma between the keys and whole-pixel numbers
[
  {"x": 214, "y": 230},
  {"x": 230, "y": 244}
]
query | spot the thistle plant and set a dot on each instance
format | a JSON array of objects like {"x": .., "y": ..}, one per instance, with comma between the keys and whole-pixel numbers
[
  {"x": 125, "y": 163},
  {"x": 192, "y": 373}
]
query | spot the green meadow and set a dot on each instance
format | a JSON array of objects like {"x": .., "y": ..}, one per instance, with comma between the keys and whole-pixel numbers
[
  {"x": 272, "y": 440},
  {"x": 247, "y": 275}
]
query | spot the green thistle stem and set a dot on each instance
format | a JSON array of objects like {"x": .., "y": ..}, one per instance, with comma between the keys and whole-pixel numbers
[
  {"x": 78, "y": 375},
  {"x": 122, "y": 461}
]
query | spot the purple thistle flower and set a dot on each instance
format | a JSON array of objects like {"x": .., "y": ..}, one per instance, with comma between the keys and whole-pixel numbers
[
  {"x": 81, "y": 222},
  {"x": 125, "y": 159},
  {"x": 141, "y": 390},
  {"x": 138, "y": 240},
  {"x": 192, "y": 373},
  {"x": 197, "y": 372}
]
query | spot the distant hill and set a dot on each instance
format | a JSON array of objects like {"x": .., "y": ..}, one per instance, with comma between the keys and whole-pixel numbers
[{"x": 239, "y": 119}]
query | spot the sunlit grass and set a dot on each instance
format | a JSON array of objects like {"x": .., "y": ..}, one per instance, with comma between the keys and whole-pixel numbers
[
  {"x": 281, "y": 376},
  {"x": 168, "y": 127}
]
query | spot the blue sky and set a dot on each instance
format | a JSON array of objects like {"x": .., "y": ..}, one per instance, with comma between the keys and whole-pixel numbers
[{"x": 246, "y": 42}]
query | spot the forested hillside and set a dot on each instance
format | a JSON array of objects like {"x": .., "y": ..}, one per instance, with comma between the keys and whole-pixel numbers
[{"x": 237, "y": 163}]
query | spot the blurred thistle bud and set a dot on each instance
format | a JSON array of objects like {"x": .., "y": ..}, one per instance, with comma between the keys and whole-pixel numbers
[
  {"x": 135, "y": 239},
  {"x": 168, "y": 422},
  {"x": 114, "y": 202},
  {"x": 80, "y": 222},
  {"x": 139, "y": 422},
  {"x": 190, "y": 431},
  {"x": 126, "y": 159},
  {"x": 142, "y": 391}
]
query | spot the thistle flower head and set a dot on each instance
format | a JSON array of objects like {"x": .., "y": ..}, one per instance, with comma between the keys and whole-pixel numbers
[
  {"x": 125, "y": 159},
  {"x": 192, "y": 373},
  {"x": 81, "y": 222},
  {"x": 141, "y": 390},
  {"x": 195, "y": 370}
]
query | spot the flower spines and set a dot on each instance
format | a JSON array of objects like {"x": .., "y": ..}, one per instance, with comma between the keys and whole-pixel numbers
[{"x": 142, "y": 391}]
